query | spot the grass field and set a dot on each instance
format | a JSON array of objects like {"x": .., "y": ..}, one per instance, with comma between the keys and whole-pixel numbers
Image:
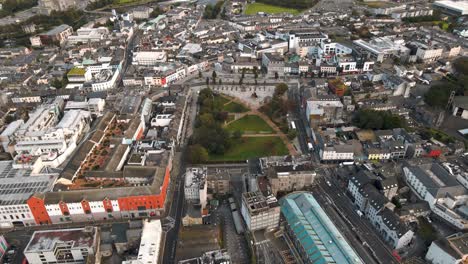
[
  {"x": 254, "y": 8},
  {"x": 377, "y": 4},
  {"x": 221, "y": 99},
  {"x": 234, "y": 107},
  {"x": 250, "y": 124},
  {"x": 251, "y": 147}
]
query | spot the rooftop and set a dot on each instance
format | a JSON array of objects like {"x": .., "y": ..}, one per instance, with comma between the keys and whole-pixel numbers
[
  {"x": 57, "y": 30},
  {"x": 77, "y": 71},
  {"x": 47, "y": 240},
  {"x": 256, "y": 202},
  {"x": 313, "y": 227},
  {"x": 17, "y": 185}
]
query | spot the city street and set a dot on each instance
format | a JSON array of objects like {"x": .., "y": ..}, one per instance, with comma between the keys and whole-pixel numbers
[{"x": 334, "y": 199}]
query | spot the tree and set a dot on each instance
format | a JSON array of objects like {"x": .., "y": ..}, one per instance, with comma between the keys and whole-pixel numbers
[
  {"x": 237, "y": 134},
  {"x": 438, "y": 95},
  {"x": 292, "y": 134},
  {"x": 280, "y": 89},
  {"x": 255, "y": 72},
  {"x": 207, "y": 81},
  {"x": 371, "y": 119},
  {"x": 461, "y": 65},
  {"x": 198, "y": 154},
  {"x": 156, "y": 12},
  {"x": 243, "y": 73},
  {"x": 220, "y": 82},
  {"x": 213, "y": 75},
  {"x": 241, "y": 80},
  {"x": 200, "y": 75},
  {"x": 276, "y": 75}
]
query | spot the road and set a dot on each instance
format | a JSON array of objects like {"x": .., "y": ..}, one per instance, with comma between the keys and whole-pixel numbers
[
  {"x": 176, "y": 212},
  {"x": 333, "y": 197},
  {"x": 177, "y": 205}
]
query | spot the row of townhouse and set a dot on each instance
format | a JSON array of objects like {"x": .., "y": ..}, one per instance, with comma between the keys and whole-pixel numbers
[
  {"x": 161, "y": 76},
  {"x": 379, "y": 145},
  {"x": 375, "y": 207},
  {"x": 40, "y": 205}
]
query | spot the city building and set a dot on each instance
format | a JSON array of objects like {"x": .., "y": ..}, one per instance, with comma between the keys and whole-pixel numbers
[
  {"x": 218, "y": 181},
  {"x": 450, "y": 250},
  {"x": 77, "y": 245},
  {"x": 49, "y": 138},
  {"x": 218, "y": 256},
  {"x": 460, "y": 106},
  {"x": 16, "y": 186},
  {"x": 149, "y": 58},
  {"x": 381, "y": 48},
  {"x": 58, "y": 35},
  {"x": 47, "y": 6},
  {"x": 335, "y": 153},
  {"x": 86, "y": 35},
  {"x": 457, "y": 8},
  {"x": 195, "y": 188},
  {"x": 313, "y": 233},
  {"x": 142, "y": 12},
  {"x": 446, "y": 196},
  {"x": 150, "y": 243},
  {"x": 290, "y": 178},
  {"x": 324, "y": 110},
  {"x": 374, "y": 204},
  {"x": 260, "y": 212}
]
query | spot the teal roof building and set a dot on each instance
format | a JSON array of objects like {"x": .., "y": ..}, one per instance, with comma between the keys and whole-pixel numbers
[{"x": 315, "y": 236}]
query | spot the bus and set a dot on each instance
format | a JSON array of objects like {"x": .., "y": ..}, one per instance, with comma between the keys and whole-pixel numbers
[{"x": 293, "y": 126}]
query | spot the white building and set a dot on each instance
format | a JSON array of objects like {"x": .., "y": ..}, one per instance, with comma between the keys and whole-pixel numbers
[
  {"x": 341, "y": 152},
  {"x": 446, "y": 196},
  {"x": 161, "y": 120},
  {"x": 427, "y": 52},
  {"x": 35, "y": 41},
  {"x": 302, "y": 38},
  {"x": 324, "y": 110},
  {"x": 374, "y": 206},
  {"x": 260, "y": 212},
  {"x": 142, "y": 12},
  {"x": 459, "y": 8},
  {"x": 148, "y": 58},
  {"x": 150, "y": 244},
  {"x": 16, "y": 186},
  {"x": 195, "y": 187},
  {"x": 7, "y": 134},
  {"x": 450, "y": 250},
  {"x": 86, "y": 35},
  {"x": 93, "y": 105},
  {"x": 44, "y": 136},
  {"x": 382, "y": 48},
  {"x": 62, "y": 246},
  {"x": 460, "y": 107}
]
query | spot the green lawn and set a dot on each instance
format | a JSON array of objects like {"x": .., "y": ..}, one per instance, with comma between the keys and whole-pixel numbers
[
  {"x": 250, "y": 124},
  {"x": 377, "y": 4},
  {"x": 254, "y": 8},
  {"x": 252, "y": 147},
  {"x": 234, "y": 107},
  {"x": 221, "y": 99}
]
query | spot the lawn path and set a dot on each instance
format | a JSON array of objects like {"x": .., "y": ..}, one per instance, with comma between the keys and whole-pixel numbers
[{"x": 265, "y": 118}]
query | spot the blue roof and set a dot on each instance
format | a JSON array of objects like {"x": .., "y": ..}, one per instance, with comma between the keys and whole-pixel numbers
[{"x": 315, "y": 231}]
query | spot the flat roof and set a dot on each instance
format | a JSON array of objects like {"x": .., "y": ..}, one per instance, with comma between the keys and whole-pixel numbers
[
  {"x": 458, "y": 6},
  {"x": 48, "y": 239},
  {"x": 17, "y": 185},
  {"x": 57, "y": 29}
]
